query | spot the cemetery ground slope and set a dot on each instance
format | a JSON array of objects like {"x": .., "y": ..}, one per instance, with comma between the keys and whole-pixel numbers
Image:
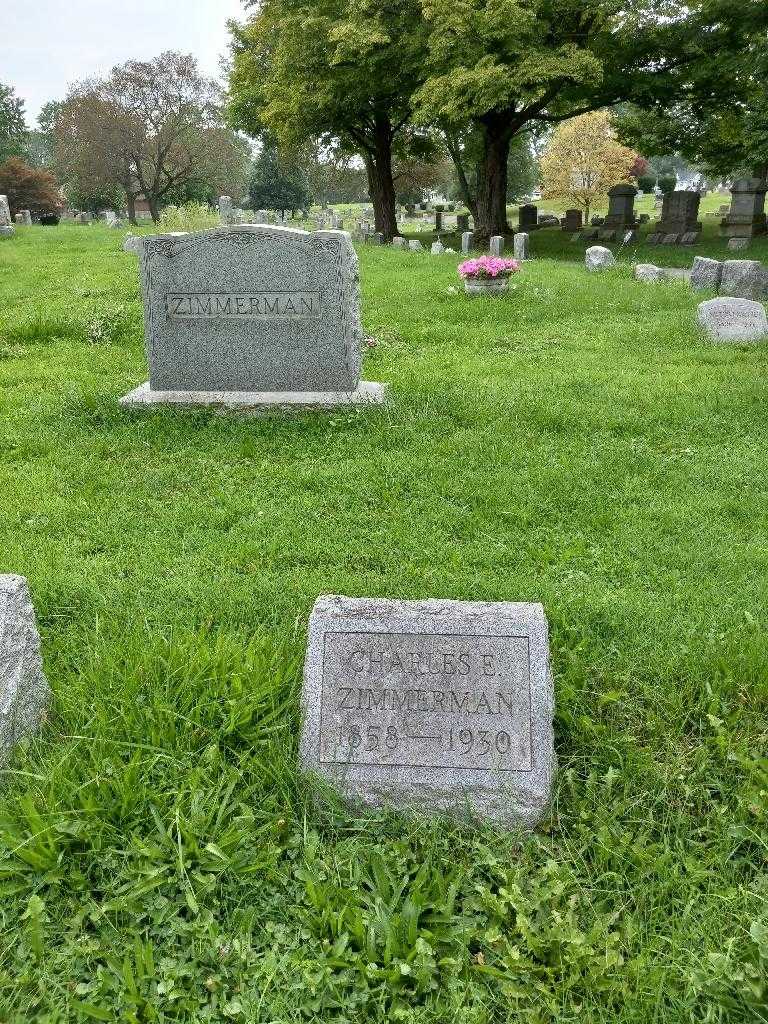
[{"x": 578, "y": 443}]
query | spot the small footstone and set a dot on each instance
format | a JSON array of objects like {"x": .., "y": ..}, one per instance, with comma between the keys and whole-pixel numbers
[
  {"x": 655, "y": 238},
  {"x": 415, "y": 245},
  {"x": 476, "y": 738},
  {"x": 590, "y": 235},
  {"x": 520, "y": 245},
  {"x": 649, "y": 273},
  {"x": 733, "y": 320},
  {"x": 497, "y": 245},
  {"x": 691, "y": 238},
  {"x": 706, "y": 274},
  {"x": 671, "y": 239},
  {"x": 744, "y": 279},
  {"x": 598, "y": 258},
  {"x": 24, "y": 693},
  {"x": 734, "y": 244}
]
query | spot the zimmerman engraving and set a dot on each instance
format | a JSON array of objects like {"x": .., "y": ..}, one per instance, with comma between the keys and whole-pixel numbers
[
  {"x": 243, "y": 306},
  {"x": 426, "y": 701}
]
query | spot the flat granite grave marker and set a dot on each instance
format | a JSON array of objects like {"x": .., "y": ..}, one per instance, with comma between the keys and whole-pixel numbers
[
  {"x": 24, "y": 693},
  {"x": 431, "y": 705},
  {"x": 252, "y": 316}
]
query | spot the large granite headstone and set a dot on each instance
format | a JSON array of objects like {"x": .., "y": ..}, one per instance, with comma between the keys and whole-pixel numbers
[
  {"x": 252, "y": 316},
  {"x": 431, "y": 705},
  {"x": 744, "y": 279},
  {"x": 679, "y": 214},
  {"x": 746, "y": 216},
  {"x": 621, "y": 211},
  {"x": 24, "y": 692}
]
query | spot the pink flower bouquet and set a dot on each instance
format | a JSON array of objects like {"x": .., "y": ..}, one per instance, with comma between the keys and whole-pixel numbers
[{"x": 486, "y": 268}]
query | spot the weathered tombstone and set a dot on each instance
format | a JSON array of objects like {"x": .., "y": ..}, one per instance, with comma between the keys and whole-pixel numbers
[
  {"x": 133, "y": 243},
  {"x": 6, "y": 225},
  {"x": 655, "y": 238},
  {"x": 573, "y": 221},
  {"x": 648, "y": 273},
  {"x": 435, "y": 706},
  {"x": 437, "y": 248},
  {"x": 733, "y": 320},
  {"x": 376, "y": 238},
  {"x": 706, "y": 274},
  {"x": 548, "y": 220},
  {"x": 598, "y": 258},
  {"x": 26, "y": 218},
  {"x": 746, "y": 216},
  {"x": 671, "y": 239},
  {"x": 399, "y": 242},
  {"x": 497, "y": 245},
  {"x": 738, "y": 244},
  {"x": 590, "y": 235},
  {"x": 252, "y": 316},
  {"x": 462, "y": 222},
  {"x": 607, "y": 235},
  {"x": 744, "y": 279},
  {"x": 597, "y": 222},
  {"x": 621, "y": 209},
  {"x": 528, "y": 218},
  {"x": 19, "y": 218},
  {"x": 226, "y": 210},
  {"x": 24, "y": 693},
  {"x": 679, "y": 214},
  {"x": 691, "y": 238},
  {"x": 520, "y": 245},
  {"x": 83, "y": 218},
  {"x": 415, "y": 245},
  {"x": 466, "y": 241}
]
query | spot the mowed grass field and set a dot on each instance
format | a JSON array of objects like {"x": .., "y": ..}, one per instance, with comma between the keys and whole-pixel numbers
[{"x": 577, "y": 442}]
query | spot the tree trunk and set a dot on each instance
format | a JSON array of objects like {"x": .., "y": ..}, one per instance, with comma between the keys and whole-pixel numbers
[
  {"x": 154, "y": 208},
  {"x": 381, "y": 185},
  {"x": 130, "y": 200},
  {"x": 491, "y": 216},
  {"x": 454, "y": 150}
]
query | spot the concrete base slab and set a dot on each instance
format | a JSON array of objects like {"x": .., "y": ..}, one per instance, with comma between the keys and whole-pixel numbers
[{"x": 366, "y": 393}]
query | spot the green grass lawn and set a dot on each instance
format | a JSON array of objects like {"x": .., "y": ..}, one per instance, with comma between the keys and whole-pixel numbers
[{"x": 577, "y": 443}]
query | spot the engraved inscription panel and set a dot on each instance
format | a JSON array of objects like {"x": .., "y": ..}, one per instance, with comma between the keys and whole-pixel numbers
[
  {"x": 426, "y": 700},
  {"x": 242, "y": 305}
]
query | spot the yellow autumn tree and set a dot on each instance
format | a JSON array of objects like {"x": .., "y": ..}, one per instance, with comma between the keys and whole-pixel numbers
[{"x": 583, "y": 159}]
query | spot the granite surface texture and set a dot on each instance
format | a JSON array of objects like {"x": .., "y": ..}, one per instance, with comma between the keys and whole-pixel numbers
[
  {"x": 256, "y": 308},
  {"x": 24, "y": 692},
  {"x": 434, "y": 706}
]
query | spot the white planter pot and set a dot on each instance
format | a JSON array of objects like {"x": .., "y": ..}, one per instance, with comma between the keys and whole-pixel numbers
[{"x": 486, "y": 285}]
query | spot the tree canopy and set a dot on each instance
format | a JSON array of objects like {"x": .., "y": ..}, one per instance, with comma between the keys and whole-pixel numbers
[
  {"x": 334, "y": 69},
  {"x": 12, "y": 124},
  {"x": 277, "y": 182},
  {"x": 153, "y": 128},
  {"x": 583, "y": 160}
]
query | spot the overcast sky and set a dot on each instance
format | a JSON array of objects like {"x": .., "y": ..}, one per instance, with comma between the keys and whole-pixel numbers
[{"x": 46, "y": 44}]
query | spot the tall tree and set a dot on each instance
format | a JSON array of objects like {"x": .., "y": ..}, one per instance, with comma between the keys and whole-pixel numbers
[
  {"x": 28, "y": 188},
  {"x": 583, "y": 160},
  {"x": 502, "y": 67},
  {"x": 152, "y": 128},
  {"x": 330, "y": 70},
  {"x": 12, "y": 124},
  {"x": 718, "y": 119},
  {"x": 277, "y": 182}
]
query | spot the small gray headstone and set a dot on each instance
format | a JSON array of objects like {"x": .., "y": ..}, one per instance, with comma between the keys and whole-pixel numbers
[
  {"x": 649, "y": 273},
  {"x": 250, "y": 310},
  {"x": 466, "y": 241},
  {"x": 399, "y": 242},
  {"x": 691, "y": 238},
  {"x": 706, "y": 274},
  {"x": 437, "y": 248},
  {"x": 744, "y": 279},
  {"x": 431, "y": 705},
  {"x": 598, "y": 258},
  {"x": 415, "y": 245},
  {"x": 6, "y": 224},
  {"x": 670, "y": 239},
  {"x": 737, "y": 244},
  {"x": 24, "y": 693},
  {"x": 133, "y": 243},
  {"x": 520, "y": 245},
  {"x": 497, "y": 245},
  {"x": 733, "y": 320}
]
